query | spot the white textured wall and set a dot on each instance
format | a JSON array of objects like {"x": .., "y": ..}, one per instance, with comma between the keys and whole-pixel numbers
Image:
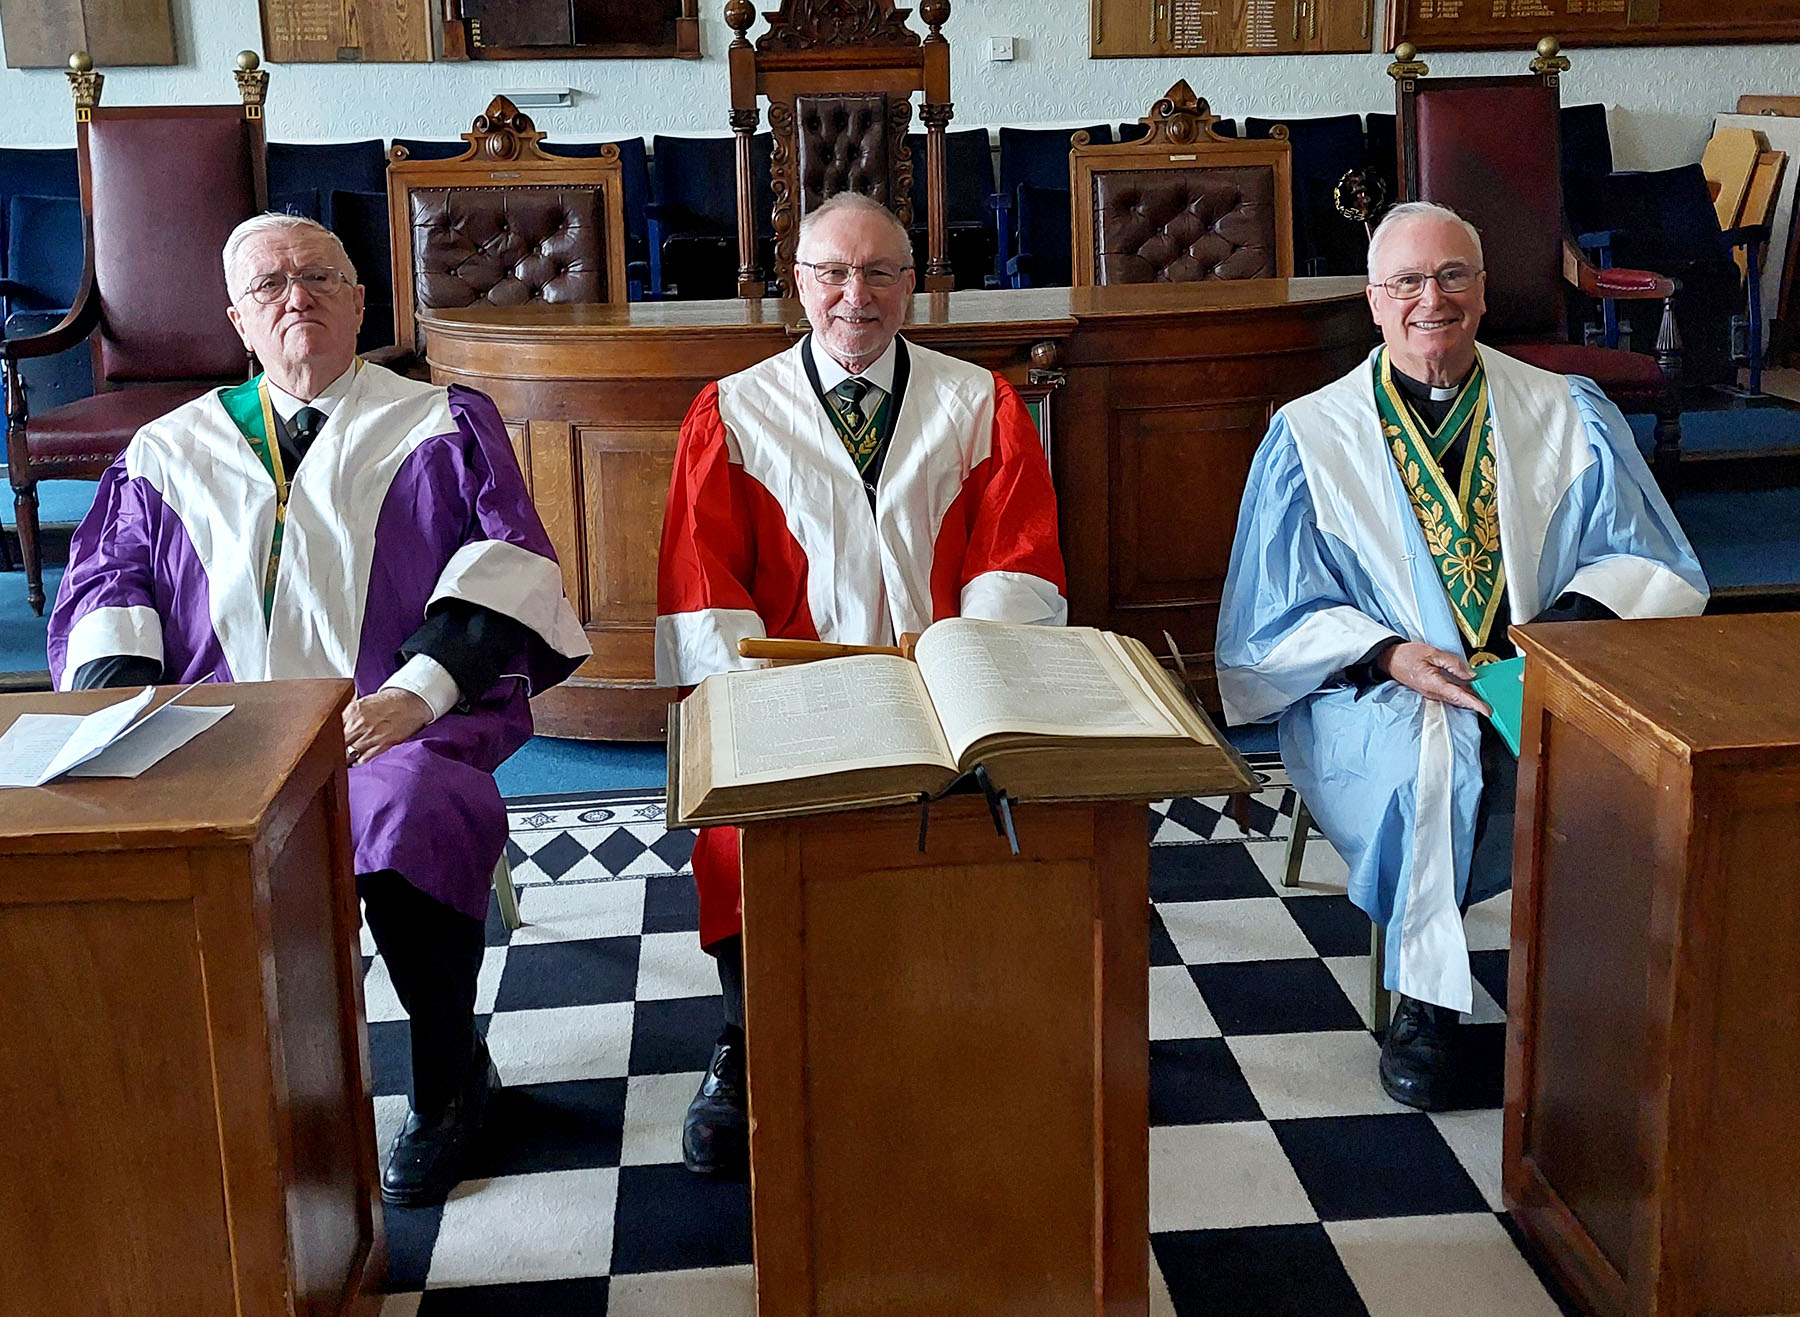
[{"x": 1663, "y": 99}]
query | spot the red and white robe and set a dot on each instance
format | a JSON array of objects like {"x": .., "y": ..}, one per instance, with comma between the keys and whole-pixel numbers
[{"x": 769, "y": 532}]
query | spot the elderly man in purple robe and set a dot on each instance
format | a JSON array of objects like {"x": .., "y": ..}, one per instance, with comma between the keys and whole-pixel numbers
[{"x": 332, "y": 519}]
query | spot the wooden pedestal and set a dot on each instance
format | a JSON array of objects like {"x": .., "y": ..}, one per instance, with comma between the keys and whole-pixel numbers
[
  {"x": 1653, "y": 1067},
  {"x": 183, "y": 1079},
  {"x": 949, "y": 1073}
]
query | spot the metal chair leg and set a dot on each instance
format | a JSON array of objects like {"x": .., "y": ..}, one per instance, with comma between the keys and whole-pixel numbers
[
  {"x": 508, "y": 897},
  {"x": 1381, "y": 1005},
  {"x": 1296, "y": 845}
]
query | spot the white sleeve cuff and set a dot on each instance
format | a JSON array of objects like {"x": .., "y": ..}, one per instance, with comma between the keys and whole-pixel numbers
[{"x": 425, "y": 677}]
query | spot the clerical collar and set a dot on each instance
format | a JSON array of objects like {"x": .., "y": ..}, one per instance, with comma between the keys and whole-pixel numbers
[
  {"x": 286, "y": 404},
  {"x": 1423, "y": 392},
  {"x": 880, "y": 374}
]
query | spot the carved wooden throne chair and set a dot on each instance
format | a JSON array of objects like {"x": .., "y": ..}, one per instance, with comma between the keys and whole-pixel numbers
[
  {"x": 162, "y": 187},
  {"x": 1182, "y": 203},
  {"x": 1490, "y": 148},
  {"x": 839, "y": 76},
  {"x": 502, "y": 224}
]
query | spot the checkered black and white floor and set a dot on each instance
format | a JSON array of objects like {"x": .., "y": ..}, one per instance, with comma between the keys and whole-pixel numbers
[{"x": 1282, "y": 1179}]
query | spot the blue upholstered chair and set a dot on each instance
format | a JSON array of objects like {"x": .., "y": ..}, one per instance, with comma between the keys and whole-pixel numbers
[
  {"x": 693, "y": 214},
  {"x": 1664, "y": 220},
  {"x": 1041, "y": 229},
  {"x": 1036, "y": 158},
  {"x": 968, "y": 187},
  {"x": 43, "y": 256},
  {"x": 429, "y": 148},
  {"x": 304, "y": 175},
  {"x": 1324, "y": 149}
]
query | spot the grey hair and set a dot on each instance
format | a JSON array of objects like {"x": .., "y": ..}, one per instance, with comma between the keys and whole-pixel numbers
[
  {"x": 857, "y": 203},
  {"x": 1407, "y": 210},
  {"x": 277, "y": 222}
]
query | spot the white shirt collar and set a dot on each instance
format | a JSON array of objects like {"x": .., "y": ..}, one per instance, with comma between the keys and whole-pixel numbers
[
  {"x": 286, "y": 404},
  {"x": 881, "y": 374}
]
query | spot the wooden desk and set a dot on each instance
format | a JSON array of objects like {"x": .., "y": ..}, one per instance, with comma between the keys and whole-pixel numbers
[
  {"x": 949, "y": 1078},
  {"x": 1652, "y": 1146},
  {"x": 1157, "y": 397},
  {"x": 183, "y": 1078}
]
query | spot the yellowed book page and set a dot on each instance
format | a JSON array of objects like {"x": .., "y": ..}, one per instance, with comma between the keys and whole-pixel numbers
[
  {"x": 989, "y": 677},
  {"x": 809, "y": 719}
]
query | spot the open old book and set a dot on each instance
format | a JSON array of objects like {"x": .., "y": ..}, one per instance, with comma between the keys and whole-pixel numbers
[{"x": 1052, "y": 713}]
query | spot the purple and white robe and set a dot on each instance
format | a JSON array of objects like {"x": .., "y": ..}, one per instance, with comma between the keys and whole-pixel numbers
[{"x": 409, "y": 495}]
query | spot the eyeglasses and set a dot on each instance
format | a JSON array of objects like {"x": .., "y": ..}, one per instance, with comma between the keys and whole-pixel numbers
[
  {"x": 837, "y": 273},
  {"x": 1451, "y": 279},
  {"x": 318, "y": 280}
]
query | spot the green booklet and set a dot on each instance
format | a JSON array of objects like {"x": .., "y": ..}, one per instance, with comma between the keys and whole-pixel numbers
[{"x": 1502, "y": 685}]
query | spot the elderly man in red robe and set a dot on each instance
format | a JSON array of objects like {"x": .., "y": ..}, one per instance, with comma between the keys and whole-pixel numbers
[{"x": 852, "y": 489}]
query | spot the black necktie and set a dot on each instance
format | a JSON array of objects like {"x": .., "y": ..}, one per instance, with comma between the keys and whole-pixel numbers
[
  {"x": 305, "y": 427},
  {"x": 849, "y": 396}
]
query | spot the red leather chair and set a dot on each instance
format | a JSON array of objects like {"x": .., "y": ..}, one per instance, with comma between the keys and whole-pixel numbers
[
  {"x": 1490, "y": 149},
  {"x": 161, "y": 189}
]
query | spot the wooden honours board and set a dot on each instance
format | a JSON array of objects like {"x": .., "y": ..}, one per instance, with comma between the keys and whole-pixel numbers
[
  {"x": 42, "y": 34},
  {"x": 1518, "y": 24},
  {"x": 334, "y": 31},
  {"x": 1229, "y": 27}
]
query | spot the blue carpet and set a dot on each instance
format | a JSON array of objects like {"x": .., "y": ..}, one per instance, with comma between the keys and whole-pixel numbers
[
  {"x": 1735, "y": 429},
  {"x": 547, "y": 765},
  {"x": 21, "y": 634},
  {"x": 59, "y": 501},
  {"x": 1744, "y": 538}
]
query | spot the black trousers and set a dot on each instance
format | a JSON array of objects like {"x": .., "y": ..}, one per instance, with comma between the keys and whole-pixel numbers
[{"x": 433, "y": 954}]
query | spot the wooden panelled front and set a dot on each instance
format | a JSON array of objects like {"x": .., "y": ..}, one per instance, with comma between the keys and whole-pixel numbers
[
  {"x": 885, "y": 1177},
  {"x": 1653, "y": 1058},
  {"x": 185, "y": 1081},
  {"x": 1159, "y": 395}
]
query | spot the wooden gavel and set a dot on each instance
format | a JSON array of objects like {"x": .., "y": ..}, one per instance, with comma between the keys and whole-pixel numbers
[{"x": 780, "y": 652}]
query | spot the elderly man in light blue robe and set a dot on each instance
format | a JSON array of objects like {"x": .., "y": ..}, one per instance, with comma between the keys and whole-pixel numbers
[{"x": 1394, "y": 523}]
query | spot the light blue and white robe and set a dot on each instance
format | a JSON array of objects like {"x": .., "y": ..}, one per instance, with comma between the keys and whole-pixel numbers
[{"x": 1329, "y": 560}]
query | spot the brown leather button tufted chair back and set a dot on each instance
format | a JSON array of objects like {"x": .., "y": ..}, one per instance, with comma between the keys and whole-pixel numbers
[
  {"x": 843, "y": 145},
  {"x": 507, "y": 246},
  {"x": 1182, "y": 225},
  {"x": 1181, "y": 203}
]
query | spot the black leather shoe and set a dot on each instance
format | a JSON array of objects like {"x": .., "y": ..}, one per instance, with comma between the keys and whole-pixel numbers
[
  {"x": 428, "y": 1156},
  {"x": 1418, "y": 1055},
  {"x": 715, "y": 1136}
]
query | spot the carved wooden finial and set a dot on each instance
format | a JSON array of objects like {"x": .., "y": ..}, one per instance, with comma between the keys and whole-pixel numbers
[
  {"x": 502, "y": 132},
  {"x": 1549, "y": 59},
  {"x": 85, "y": 83},
  {"x": 1407, "y": 63},
  {"x": 806, "y": 24},
  {"x": 935, "y": 13},
  {"x": 252, "y": 84},
  {"x": 1180, "y": 118},
  {"x": 739, "y": 15}
]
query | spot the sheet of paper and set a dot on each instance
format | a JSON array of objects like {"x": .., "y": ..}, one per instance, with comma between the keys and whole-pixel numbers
[
  {"x": 1502, "y": 685},
  {"x": 29, "y": 745},
  {"x": 152, "y": 740},
  {"x": 94, "y": 733}
]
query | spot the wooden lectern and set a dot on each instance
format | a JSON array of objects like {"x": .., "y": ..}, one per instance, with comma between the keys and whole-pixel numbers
[
  {"x": 183, "y": 1076},
  {"x": 949, "y": 1065},
  {"x": 1652, "y": 1146}
]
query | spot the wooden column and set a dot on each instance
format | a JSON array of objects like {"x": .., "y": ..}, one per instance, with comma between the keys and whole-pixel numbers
[{"x": 741, "y": 59}]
